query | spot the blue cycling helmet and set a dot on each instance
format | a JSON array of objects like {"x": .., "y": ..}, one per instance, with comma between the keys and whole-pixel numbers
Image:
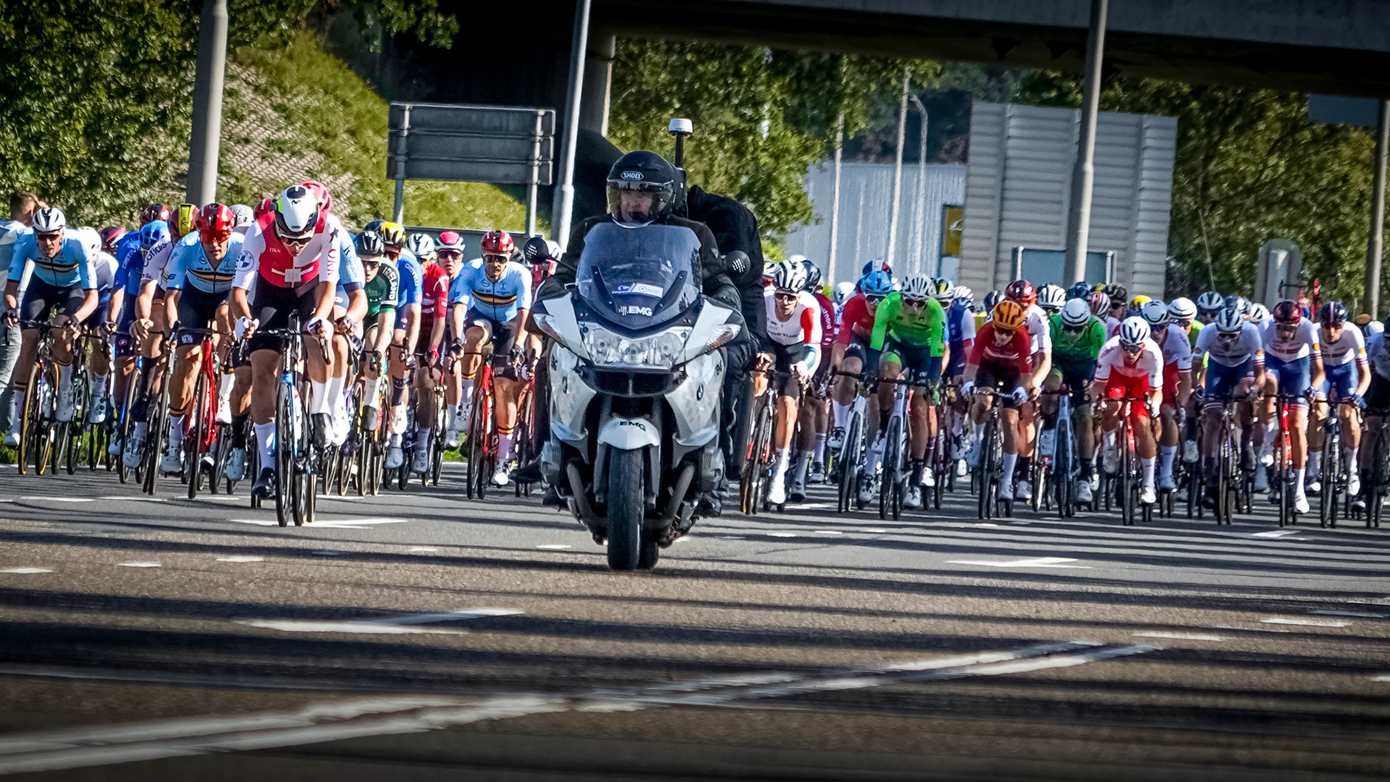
[
  {"x": 876, "y": 283},
  {"x": 153, "y": 233}
]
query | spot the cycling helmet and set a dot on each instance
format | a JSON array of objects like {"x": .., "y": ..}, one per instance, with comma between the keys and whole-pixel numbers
[
  {"x": 451, "y": 241},
  {"x": 1118, "y": 294},
  {"x": 245, "y": 215},
  {"x": 812, "y": 274},
  {"x": 943, "y": 291},
  {"x": 876, "y": 283},
  {"x": 185, "y": 219},
  {"x": 1051, "y": 297},
  {"x": 992, "y": 299},
  {"x": 789, "y": 277},
  {"x": 1229, "y": 320},
  {"x": 1210, "y": 303},
  {"x": 421, "y": 246},
  {"x": 1258, "y": 313},
  {"x": 1375, "y": 327},
  {"x": 1100, "y": 303},
  {"x": 392, "y": 234},
  {"x": 964, "y": 294},
  {"x": 843, "y": 290},
  {"x": 110, "y": 235},
  {"x": 153, "y": 233},
  {"x": 1076, "y": 313},
  {"x": 1154, "y": 313},
  {"x": 1139, "y": 300},
  {"x": 498, "y": 243},
  {"x": 48, "y": 220},
  {"x": 1008, "y": 315},
  {"x": 641, "y": 172},
  {"x": 1134, "y": 331},
  {"x": 1080, "y": 290},
  {"x": 321, "y": 190},
  {"x": 1332, "y": 313},
  {"x": 370, "y": 246},
  {"x": 215, "y": 222},
  {"x": 917, "y": 287},
  {"x": 296, "y": 213},
  {"x": 1182, "y": 309},
  {"x": 538, "y": 249},
  {"x": 1022, "y": 291},
  {"x": 877, "y": 264},
  {"x": 1286, "y": 313},
  {"x": 1238, "y": 303},
  {"x": 152, "y": 212}
]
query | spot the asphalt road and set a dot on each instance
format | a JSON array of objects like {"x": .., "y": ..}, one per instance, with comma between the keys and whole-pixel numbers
[{"x": 420, "y": 635}]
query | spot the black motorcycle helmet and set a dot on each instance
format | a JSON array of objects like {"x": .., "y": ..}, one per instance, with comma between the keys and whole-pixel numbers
[{"x": 646, "y": 173}]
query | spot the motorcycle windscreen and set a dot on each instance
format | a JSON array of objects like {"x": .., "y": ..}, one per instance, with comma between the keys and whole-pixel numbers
[{"x": 636, "y": 278}]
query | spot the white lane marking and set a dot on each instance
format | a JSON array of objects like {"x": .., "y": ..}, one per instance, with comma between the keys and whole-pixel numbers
[
  {"x": 39, "y": 498},
  {"x": 554, "y": 546},
  {"x": 139, "y": 564},
  {"x": 811, "y": 506},
  {"x": 257, "y": 522},
  {"x": 684, "y": 538},
  {"x": 1384, "y": 677},
  {"x": 876, "y": 531},
  {"x": 241, "y": 558},
  {"x": 1275, "y": 533},
  {"x": 1352, "y": 614},
  {"x": 424, "y": 549},
  {"x": 130, "y": 498},
  {"x": 827, "y": 532},
  {"x": 1302, "y": 621},
  {"x": 1047, "y": 562},
  {"x": 221, "y": 498},
  {"x": 351, "y": 523},
  {"x": 391, "y": 625},
  {"x": 780, "y": 534},
  {"x": 985, "y": 524},
  {"x": 104, "y": 745},
  {"x": 26, "y": 571},
  {"x": 1180, "y": 636}
]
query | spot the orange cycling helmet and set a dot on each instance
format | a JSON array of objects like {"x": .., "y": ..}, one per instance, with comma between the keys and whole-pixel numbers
[{"x": 1008, "y": 315}]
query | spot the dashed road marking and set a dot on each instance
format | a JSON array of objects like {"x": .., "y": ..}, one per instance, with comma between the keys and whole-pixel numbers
[
  {"x": 131, "y": 498},
  {"x": 1352, "y": 614},
  {"x": 45, "y": 498},
  {"x": 424, "y": 549},
  {"x": 1275, "y": 533},
  {"x": 26, "y": 571},
  {"x": 1179, "y": 636},
  {"x": 554, "y": 546},
  {"x": 1032, "y": 562},
  {"x": 1303, "y": 621},
  {"x": 241, "y": 558},
  {"x": 140, "y": 563},
  {"x": 780, "y": 534},
  {"x": 392, "y": 625}
]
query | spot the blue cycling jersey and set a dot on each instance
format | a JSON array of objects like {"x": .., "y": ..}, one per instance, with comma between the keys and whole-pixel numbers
[
  {"x": 189, "y": 265},
  {"x": 130, "y": 256},
  {"x": 351, "y": 275},
  {"x": 498, "y": 301},
  {"x": 954, "y": 317},
  {"x": 68, "y": 268},
  {"x": 412, "y": 280}
]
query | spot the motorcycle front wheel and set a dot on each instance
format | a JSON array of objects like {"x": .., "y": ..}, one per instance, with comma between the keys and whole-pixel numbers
[{"x": 628, "y": 548}]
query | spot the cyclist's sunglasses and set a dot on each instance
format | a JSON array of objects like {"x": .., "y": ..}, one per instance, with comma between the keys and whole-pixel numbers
[
  {"x": 450, "y": 254},
  {"x": 1133, "y": 350},
  {"x": 785, "y": 296},
  {"x": 873, "y": 299},
  {"x": 49, "y": 237},
  {"x": 1075, "y": 329},
  {"x": 914, "y": 303},
  {"x": 1228, "y": 336},
  {"x": 495, "y": 258}
]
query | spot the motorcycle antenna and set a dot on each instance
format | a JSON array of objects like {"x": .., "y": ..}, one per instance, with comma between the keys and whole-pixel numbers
[{"x": 680, "y": 128}]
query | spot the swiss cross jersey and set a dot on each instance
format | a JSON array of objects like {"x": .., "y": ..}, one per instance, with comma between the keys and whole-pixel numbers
[
  {"x": 1231, "y": 352},
  {"x": 1303, "y": 344},
  {"x": 801, "y": 327},
  {"x": 1176, "y": 349},
  {"x": 434, "y": 293},
  {"x": 1014, "y": 355},
  {"x": 1349, "y": 347},
  {"x": 264, "y": 255},
  {"x": 855, "y": 321},
  {"x": 1114, "y": 360},
  {"x": 69, "y": 267},
  {"x": 827, "y": 321},
  {"x": 499, "y": 301},
  {"x": 189, "y": 267},
  {"x": 1039, "y": 330}
]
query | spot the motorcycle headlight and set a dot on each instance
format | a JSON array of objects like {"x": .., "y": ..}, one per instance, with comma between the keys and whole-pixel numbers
[{"x": 657, "y": 351}]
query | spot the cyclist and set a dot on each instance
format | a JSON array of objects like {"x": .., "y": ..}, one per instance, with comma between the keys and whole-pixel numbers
[
  {"x": 1209, "y": 305},
  {"x": 1040, "y": 341},
  {"x": 291, "y": 256},
  {"x": 1000, "y": 360},
  {"x": 815, "y": 411},
  {"x": 1051, "y": 298},
  {"x": 1119, "y": 303},
  {"x": 794, "y": 338},
  {"x": 1182, "y": 312},
  {"x": 1260, "y": 315},
  {"x": 1077, "y": 338},
  {"x": 383, "y": 291},
  {"x": 1377, "y": 406},
  {"x": 182, "y": 219},
  {"x": 1232, "y": 353},
  {"x": 1348, "y": 374},
  {"x": 843, "y": 292},
  {"x": 960, "y": 337},
  {"x": 1130, "y": 366},
  {"x": 405, "y": 335},
  {"x": 1100, "y": 306},
  {"x": 1293, "y": 358},
  {"x": 489, "y": 300},
  {"x": 851, "y": 342},
  {"x": 1177, "y": 385},
  {"x": 449, "y": 257},
  {"x": 197, "y": 281},
  {"x": 349, "y": 311},
  {"x": 910, "y": 333},
  {"x": 434, "y": 307},
  {"x": 130, "y": 267},
  {"x": 60, "y": 279}
]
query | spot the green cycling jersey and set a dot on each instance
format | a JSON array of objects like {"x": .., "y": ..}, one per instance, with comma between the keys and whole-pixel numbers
[
  {"x": 918, "y": 327},
  {"x": 1081, "y": 345},
  {"x": 383, "y": 291}
]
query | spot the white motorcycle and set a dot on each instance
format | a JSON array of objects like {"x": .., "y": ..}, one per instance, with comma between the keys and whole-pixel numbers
[{"x": 635, "y": 379}]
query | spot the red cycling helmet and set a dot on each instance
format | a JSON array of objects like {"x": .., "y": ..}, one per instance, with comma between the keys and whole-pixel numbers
[
  {"x": 154, "y": 211},
  {"x": 498, "y": 243},
  {"x": 1287, "y": 313},
  {"x": 321, "y": 190},
  {"x": 449, "y": 241},
  {"x": 1022, "y": 291},
  {"x": 215, "y": 222},
  {"x": 110, "y": 235}
]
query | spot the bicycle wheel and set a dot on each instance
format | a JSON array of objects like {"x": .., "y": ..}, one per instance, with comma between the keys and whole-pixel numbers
[
  {"x": 197, "y": 428},
  {"x": 1062, "y": 468},
  {"x": 1331, "y": 472},
  {"x": 849, "y": 463},
  {"x": 889, "y": 486},
  {"x": 477, "y": 437},
  {"x": 988, "y": 472},
  {"x": 284, "y": 454},
  {"x": 750, "y": 488},
  {"x": 1126, "y": 489},
  {"x": 154, "y": 435}
]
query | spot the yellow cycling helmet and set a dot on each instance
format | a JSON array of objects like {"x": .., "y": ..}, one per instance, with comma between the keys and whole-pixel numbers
[
  {"x": 1008, "y": 315},
  {"x": 182, "y": 220},
  {"x": 1139, "y": 301},
  {"x": 393, "y": 235}
]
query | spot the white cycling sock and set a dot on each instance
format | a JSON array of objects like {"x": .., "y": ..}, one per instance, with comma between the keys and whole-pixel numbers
[
  {"x": 1010, "y": 459},
  {"x": 504, "y": 448},
  {"x": 1147, "y": 465},
  {"x": 265, "y": 440},
  {"x": 1298, "y": 475},
  {"x": 370, "y": 388},
  {"x": 466, "y": 395},
  {"x": 96, "y": 385},
  {"x": 175, "y": 430},
  {"x": 821, "y": 440},
  {"x": 423, "y": 440},
  {"x": 840, "y": 413},
  {"x": 1315, "y": 465},
  {"x": 319, "y": 399},
  {"x": 1165, "y": 458},
  {"x": 395, "y": 439},
  {"x": 224, "y": 389},
  {"x": 18, "y": 409},
  {"x": 451, "y": 418},
  {"x": 779, "y": 467}
]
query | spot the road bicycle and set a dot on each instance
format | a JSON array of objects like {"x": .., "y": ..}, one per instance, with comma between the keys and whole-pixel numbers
[{"x": 849, "y": 461}]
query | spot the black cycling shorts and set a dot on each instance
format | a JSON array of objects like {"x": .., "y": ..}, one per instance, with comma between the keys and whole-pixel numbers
[
  {"x": 41, "y": 299},
  {"x": 1001, "y": 379},
  {"x": 783, "y": 357},
  {"x": 196, "y": 311},
  {"x": 272, "y": 305}
]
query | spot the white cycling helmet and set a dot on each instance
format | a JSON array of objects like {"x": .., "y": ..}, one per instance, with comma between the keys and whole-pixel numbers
[
  {"x": 1076, "y": 313},
  {"x": 789, "y": 276},
  {"x": 943, "y": 291},
  {"x": 296, "y": 213},
  {"x": 1229, "y": 321},
  {"x": 843, "y": 290},
  {"x": 1051, "y": 297},
  {"x": 964, "y": 293},
  {"x": 49, "y": 219},
  {"x": 245, "y": 215},
  {"x": 1154, "y": 313},
  {"x": 1375, "y": 327},
  {"x": 1182, "y": 308},
  {"x": 917, "y": 287},
  {"x": 1259, "y": 313},
  {"x": 1211, "y": 301},
  {"x": 421, "y": 246},
  {"x": 89, "y": 238},
  {"x": 1134, "y": 331}
]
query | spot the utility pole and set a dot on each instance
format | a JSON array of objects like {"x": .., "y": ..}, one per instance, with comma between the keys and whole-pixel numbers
[
  {"x": 898, "y": 173},
  {"x": 206, "y": 138},
  {"x": 1375, "y": 246},
  {"x": 565, "y": 207},
  {"x": 1083, "y": 179},
  {"x": 835, "y": 198}
]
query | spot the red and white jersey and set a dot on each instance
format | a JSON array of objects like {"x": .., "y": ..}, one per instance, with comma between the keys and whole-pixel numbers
[
  {"x": 434, "y": 293},
  {"x": 1148, "y": 364},
  {"x": 802, "y": 328},
  {"x": 1177, "y": 349},
  {"x": 1039, "y": 330},
  {"x": 264, "y": 255},
  {"x": 1349, "y": 347}
]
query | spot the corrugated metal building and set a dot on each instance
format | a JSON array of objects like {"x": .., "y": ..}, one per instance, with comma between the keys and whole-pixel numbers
[{"x": 1019, "y": 185}]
